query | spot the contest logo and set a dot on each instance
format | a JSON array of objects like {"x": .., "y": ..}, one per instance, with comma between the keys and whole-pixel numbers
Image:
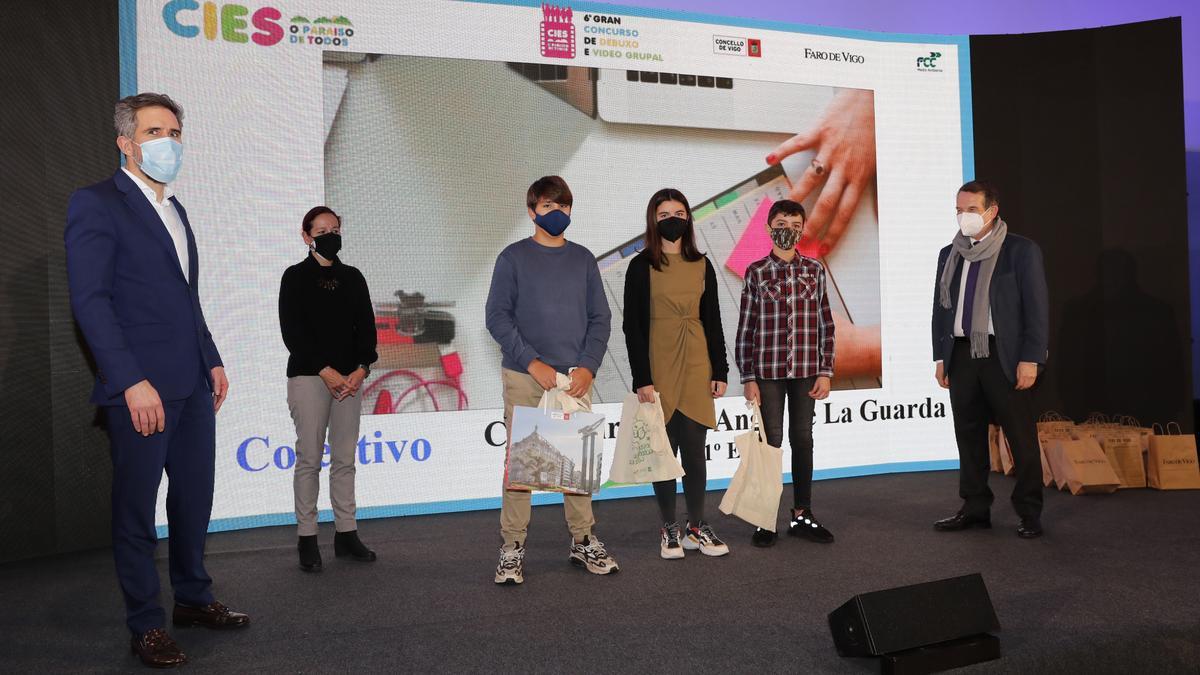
[
  {"x": 264, "y": 26},
  {"x": 557, "y": 32},
  {"x": 929, "y": 63}
]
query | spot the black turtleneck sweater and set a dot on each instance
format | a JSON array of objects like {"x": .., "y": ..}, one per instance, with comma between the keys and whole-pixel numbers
[{"x": 326, "y": 317}]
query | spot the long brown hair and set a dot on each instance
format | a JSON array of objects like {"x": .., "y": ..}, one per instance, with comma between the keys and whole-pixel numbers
[{"x": 654, "y": 242}]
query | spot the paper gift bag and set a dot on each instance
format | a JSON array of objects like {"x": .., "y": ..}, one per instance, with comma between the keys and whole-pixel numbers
[
  {"x": 753, "y": 493},
  {"x": 1171, "y": 462},
  {"x": 1007, "y": 465},
  {"x": 1047, "y": 471},
  {"x": 1124, "y": 452},
  {"x": 557, "y": 446},
  {"x": 1054, "y": 423},
  {"x": 1129, "y": 423},
  {"x": 994, "y": 449},
  {"x": 1085, "y": 467},
  {"x": 643, "y": 453},
  {"x": 1045, "y": 436}
]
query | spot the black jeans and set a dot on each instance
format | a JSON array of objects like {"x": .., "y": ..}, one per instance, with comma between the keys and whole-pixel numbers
[
  {"x": 687, "y": 438},
  {"x": 800, "y": 423},
  {"x": 981, "y": 392}
]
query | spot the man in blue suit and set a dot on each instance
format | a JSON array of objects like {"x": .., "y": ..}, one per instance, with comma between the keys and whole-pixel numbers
[
  {"x": 990, "y": 335},
  {"x": 134, "y": 276}
]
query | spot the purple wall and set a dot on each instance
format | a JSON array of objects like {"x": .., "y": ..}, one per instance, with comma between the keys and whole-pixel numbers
[{"x": 977, "y": 17}]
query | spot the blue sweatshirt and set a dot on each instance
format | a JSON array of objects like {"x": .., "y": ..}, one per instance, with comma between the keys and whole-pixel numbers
[{"x": 548, "y": 303}]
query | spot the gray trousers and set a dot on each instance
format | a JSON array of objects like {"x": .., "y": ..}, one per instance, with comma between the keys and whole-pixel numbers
[{"x": 316, "y": 413}]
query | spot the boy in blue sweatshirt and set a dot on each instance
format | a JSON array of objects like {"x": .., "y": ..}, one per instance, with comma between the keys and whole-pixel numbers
[{"x": 547, "y": 310}]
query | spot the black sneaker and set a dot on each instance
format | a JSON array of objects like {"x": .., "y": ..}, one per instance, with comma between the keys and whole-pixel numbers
[
  {"x": 763, "y": 538},
  {"x": 805, "y": 525}
]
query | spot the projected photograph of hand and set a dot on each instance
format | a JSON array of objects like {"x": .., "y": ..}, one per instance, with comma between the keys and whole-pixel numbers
[{"x": 431, "y": 158}]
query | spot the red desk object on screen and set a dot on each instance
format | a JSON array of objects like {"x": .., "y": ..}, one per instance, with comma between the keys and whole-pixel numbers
[{"x": 755, "y": 243}]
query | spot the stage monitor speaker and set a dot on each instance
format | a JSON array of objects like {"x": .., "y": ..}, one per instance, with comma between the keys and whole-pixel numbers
[{"x": 897, "y": 619}]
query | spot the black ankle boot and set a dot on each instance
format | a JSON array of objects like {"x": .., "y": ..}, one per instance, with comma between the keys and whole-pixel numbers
[
  {"x": 348, "y": 545},
  {"x": 310, "y": 554}
]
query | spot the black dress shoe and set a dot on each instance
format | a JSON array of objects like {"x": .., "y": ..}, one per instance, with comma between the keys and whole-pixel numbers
[
  {"x": 310, "y": 554},
  {"x": 1029, "y": 529},
  {"x": 763, "y": 538},
  {"x": 156, "y": 649},
  {"x": 213, "y": 615},
  {"x": 962, "y": 521},
  {"x": 348, "y": 545},
  {"x": 805, "y": 525}
]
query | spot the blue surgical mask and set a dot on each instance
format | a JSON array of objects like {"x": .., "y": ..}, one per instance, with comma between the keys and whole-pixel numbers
[
  {"x": 161, "y": 159},
  {"x": 554, "y": 222}
]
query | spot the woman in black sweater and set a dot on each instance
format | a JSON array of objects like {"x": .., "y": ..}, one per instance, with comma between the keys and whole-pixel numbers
[{"x": 328, "y": 326}]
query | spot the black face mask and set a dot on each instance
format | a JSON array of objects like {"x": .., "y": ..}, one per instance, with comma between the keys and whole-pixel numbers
[
  {"x": 328, "y": 245},
  {"x": 673, "y": 228}
]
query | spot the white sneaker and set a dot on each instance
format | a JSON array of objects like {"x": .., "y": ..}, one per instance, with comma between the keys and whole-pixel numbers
[
  {"x": 670, "y": 548},
  {"x": 705, "y": 539},
  {"x": 511, "y": 569},
  {"x": 590, "y": 555}
]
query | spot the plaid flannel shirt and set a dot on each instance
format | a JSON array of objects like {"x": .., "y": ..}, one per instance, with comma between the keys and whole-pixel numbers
[{"x": 785, "y": 329}]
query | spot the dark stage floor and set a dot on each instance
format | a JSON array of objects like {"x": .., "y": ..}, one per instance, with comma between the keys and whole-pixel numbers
[{"x": 1112, "y": 587}]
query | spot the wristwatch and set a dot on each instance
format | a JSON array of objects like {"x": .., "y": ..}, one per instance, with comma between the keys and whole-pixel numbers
[{"x": 366, "y": 370}]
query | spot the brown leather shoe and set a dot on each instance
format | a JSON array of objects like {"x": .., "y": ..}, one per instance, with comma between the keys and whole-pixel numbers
[
  {"x": 157, "y": 649},
  {"x": 214, "y": 615}
]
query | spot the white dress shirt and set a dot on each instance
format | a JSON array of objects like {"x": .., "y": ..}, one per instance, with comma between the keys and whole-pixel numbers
[
  {"x": 169, "y": 217},
  {"x": 962, "y": 288}
]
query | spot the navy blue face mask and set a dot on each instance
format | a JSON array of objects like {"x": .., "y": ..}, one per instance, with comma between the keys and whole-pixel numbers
[{"x": 554, "y": 222}]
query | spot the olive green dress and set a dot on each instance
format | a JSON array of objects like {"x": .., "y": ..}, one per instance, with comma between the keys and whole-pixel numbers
[{"x": 679, "y": 364}]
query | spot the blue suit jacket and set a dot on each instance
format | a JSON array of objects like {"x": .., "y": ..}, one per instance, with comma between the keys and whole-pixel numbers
[
  {"x": 1020, "y": 306},
  {"x": 140, "y": 316}
]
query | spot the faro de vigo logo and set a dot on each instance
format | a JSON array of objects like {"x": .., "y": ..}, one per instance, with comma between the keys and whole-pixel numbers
[{"x": 264, "y": 26}]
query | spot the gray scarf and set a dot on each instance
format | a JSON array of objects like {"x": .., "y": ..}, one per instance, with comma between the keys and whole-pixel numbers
[{"x": 983, "y": 254}]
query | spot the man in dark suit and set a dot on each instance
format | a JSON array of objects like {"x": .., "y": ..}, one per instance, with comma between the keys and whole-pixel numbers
[
  {"x": 133, "y": 274},
  {"x": 990, "y": 333}
]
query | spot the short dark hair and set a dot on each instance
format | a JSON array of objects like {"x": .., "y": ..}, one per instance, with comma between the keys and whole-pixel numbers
[
  {"x": 125, "y": 113},
  {"x": 786, "y": 207},
  {"x": 991, "y": 196},
  {"x": 312, "y": 215},
  {"x": 553, "y": 188}
]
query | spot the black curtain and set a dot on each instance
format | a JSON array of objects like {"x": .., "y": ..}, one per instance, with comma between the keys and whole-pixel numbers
[{"x": 1083, "y": 133}]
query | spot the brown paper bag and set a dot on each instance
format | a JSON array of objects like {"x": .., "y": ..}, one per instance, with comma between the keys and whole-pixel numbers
[
  {"x": 1007, "y": 465},
  {"x": 1054, "y": 423},
  {"x": 1047, "y": 472},
  {"x": 994, "y": 449},
  {"x": 1171, "y": 461},
  {"x": 1132, "y": 424},
  {"x": 1124, "y": 452},
  {"x": 1085, "y": 466},
  {"x": 1049, "y": 477}
]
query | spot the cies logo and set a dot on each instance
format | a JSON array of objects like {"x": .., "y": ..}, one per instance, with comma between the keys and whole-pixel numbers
[
  {"x": 929, "y": 63},
  {"x": 232, "y": 23},
  {"x": 558, "y": 33}
]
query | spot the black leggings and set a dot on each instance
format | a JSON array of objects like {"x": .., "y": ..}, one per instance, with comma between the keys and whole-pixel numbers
[
  {"x": 687, "y": 442},
  {"x": 800, "y": 424}
]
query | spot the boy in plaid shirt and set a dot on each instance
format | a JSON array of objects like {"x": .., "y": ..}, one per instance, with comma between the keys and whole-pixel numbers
[{"x": 785, "y": 351}]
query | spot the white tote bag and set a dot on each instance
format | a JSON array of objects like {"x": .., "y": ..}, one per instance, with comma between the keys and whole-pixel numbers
[
  {"x": 643, "y": 453},
  {"x": 754, "y": 492}
]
